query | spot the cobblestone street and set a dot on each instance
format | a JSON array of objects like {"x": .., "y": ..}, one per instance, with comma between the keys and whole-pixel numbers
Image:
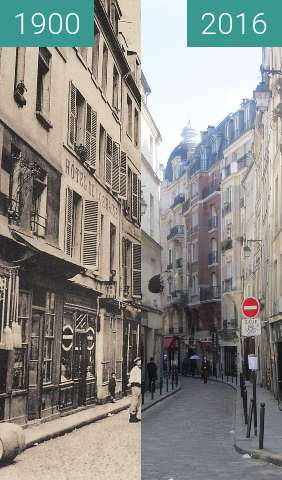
[
  {"x": 108, "y": 449},
  {"x": 187, "y": 437}
]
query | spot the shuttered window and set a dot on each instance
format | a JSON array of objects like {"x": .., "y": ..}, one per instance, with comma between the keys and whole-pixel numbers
[
  {"x": 109, "y": 161},
  {"x": 72, "y": 115},
  {"x": 123, "y": 176},
  {"x": 69, "y": 222},
  {"x": 139, "y": 201},
  {"x": 91, "y": 135},
  {"x": 136, "y": 270},
  {"x": 134, "y": 196},
  {"x": 90, "y": 254},
  {"x": 116, "y": 168}
]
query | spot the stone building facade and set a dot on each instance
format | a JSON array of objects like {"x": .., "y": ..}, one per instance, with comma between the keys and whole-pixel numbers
[{"x": 70, "y": 191}]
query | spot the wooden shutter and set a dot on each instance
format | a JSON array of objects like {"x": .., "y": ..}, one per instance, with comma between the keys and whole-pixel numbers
[
  {"x": 136, "y": 270},
  {"x": 90, "y": 255},
  {"x": 123, "y": 176},
  {"x": 91, "y": 135},
  {"x": 72, "y": 115},
  {"x": 139, "y": 200},
  {"x": 134, "y": 196},
  {"x": 116, "y": 167},
  {"x": 109, "y": 160},
  {"x": 69, "y": 222}
]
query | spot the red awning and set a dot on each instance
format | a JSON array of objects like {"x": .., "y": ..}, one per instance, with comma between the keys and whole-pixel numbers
[
  {"x": 169, "y": 343},
  {"x": 206, "y": 344}
]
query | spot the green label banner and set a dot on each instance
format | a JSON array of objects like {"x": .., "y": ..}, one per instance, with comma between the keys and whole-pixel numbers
[
  {"x": 234, "y": 23},
  {"x": 34, "y": 23}
]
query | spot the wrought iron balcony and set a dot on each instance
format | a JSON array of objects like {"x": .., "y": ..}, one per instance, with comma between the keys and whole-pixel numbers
[
  {"x": 211, "y": 188},
  {"x": 179, "y": 263},
  {"x": 180, "y": 198},
  {"x": 38, "y": 224},
  {"x": 209, "y": 293},
  {"x": 186, "y": 206},
  {"x": 176, "y": 232},
  {"x": 212, "y": 222},
  {"x": 213, "y": 258}
]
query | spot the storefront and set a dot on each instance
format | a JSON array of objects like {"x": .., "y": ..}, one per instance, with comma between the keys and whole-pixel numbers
[{"x": 131, "y": 342}]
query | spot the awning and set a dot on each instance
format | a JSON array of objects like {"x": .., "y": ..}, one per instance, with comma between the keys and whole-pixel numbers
[
  {"x": 169, "y": 343},
  {"x": 40, "y": 246},
  {"x": 206, "y": 344}
]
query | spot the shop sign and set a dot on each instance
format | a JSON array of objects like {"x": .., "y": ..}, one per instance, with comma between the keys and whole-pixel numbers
[
  {"x": 67, "y": 338},
  {"x": 90, "y": 338},
  {"x": 251, "y": 327}
]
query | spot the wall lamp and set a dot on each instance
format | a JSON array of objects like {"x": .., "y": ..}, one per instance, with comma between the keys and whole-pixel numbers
[{"x": 247, "y": 249}]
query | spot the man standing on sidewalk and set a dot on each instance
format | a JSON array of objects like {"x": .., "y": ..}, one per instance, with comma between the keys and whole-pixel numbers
[
  {"x": 135, "y": 383},
  {"x": 152, "y": 370}
]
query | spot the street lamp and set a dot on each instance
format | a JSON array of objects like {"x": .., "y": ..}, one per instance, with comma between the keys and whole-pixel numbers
[
  {"x": 262, "y": 96},
  {"x": 247, "y": 249}
]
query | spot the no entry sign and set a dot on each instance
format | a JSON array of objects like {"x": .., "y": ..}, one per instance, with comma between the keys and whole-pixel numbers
[{"x": 250, "y": 307}]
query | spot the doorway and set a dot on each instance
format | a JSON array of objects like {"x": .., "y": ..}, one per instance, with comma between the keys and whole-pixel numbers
[{"x": 35, "y": 364}]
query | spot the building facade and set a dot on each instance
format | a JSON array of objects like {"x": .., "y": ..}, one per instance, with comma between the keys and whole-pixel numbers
[
  {"x": 152, "y": 339},
  {"x": 70, "y": 219}
]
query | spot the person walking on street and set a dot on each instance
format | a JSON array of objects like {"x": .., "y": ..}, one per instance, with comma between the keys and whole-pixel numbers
[
  {"x": 152, "y": 371},
  {"x": 205, "y": 369},
  {"x": 135, "y": 383},
  {"x": 112, "y": 387}
]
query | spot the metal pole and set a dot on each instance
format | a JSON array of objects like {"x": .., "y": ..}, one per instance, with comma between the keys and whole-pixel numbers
[
  {"x": 172, "y": 380},
  {"x": 245, "y": 405},
  {"x": 250, "y": 418},
  {"x": 161, "y": 385},
  {"x": 152, "y": 389},
  {"x": 167, "y": 383},
  {"x": 255, "y": 403},
  {"x": 143, "y": 392},
  {"x": 261, "y": 425}
]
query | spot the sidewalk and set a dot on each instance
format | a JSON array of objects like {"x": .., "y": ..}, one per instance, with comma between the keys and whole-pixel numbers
[
  {"x": 42, "y": 432},
  {"x": 149, "y": 402},
  {"x": 272, "y": 451}
]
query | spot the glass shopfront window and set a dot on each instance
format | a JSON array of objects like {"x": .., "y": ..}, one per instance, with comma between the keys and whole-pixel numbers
[{"x": 20, "y": 358}]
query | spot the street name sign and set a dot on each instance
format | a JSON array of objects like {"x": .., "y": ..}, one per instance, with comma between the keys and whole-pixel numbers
[
  {"x": 251, "y": 327},
  {"x": 250, "y": 307}
]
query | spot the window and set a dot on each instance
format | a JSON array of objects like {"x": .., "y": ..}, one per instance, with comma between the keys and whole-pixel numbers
[
  {"x": 20, "y": 362},
  {"x": 126, "y": 265},
  {"x": 194, "y": 189},
  {"x": 90, "y": 247},
  {"x": 19, "y": 87},
  {"x": 194, "y": 251},
  {"x": 95, "y": 52},
  {"x": 195, "y": 287},
  {"x": 73, "y": 224},
  {"x": 49, "y": 336},
  {"x": 105, "y": 69},
  {"x": 43, "y": 81},
  {"x": 195, "y": 219},
  {"x": 39, "y": 204},
  {"x": 102, "y": 151},
  {"x": 170, "y": 257},
  {"x": 136, "y": 270},
  {"x": 115, "y": 89},
  {"x": 129, "y": 116},
  {"x": 136, "y": 128},
  {"x": 152, "y": 215},
  {"x": 113, "y": 234},
  {"x": 82, "y": 133}
]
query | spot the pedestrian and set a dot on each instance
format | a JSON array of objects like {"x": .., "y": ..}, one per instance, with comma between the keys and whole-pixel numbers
[
  {"x": 152, "y": 371},
  {"x": 112, "y": 387},
  {"x": 135, "y": 383},
  {"x": 205, "y": 370}
]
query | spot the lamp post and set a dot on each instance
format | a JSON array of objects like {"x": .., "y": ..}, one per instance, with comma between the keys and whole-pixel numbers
[{"x": 262, "y": 96}]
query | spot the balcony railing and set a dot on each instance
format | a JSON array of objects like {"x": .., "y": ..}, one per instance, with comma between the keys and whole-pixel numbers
[
  {"x": 213, "y": 258},
  {"x": 211, "y": 188},
  {"x": 178, "y": 199},
  {"x": 38, "y": 224},
  {"x": 227, "y": 285},
  {"x": 179, "y": 263},
  {"x": 212, "y": 222},
  {"x": 186, "y": 206},
  {"x": 226, "y": 244},
  {"x": 210, "y": 293},
  {"x": 176, "y": 232},
  {"x": 227, "y": 207},
  {"x": 229, "y": 324}
]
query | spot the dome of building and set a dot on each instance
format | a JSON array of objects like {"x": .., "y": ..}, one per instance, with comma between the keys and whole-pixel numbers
[{"x": 183, "y": 150}]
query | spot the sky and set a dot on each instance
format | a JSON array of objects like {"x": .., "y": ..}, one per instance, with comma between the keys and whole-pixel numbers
[{"x": 201, "y": 84}]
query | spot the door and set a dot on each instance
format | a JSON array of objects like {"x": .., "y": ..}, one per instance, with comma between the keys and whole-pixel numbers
[
  {"x": 81, "y": 364},
  {"x": 35, "y": 364}
]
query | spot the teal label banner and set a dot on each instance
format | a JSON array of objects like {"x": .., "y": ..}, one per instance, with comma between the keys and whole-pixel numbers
[
  {"x": 234, "y": 23},
  {"x": 33, "y": 23}
]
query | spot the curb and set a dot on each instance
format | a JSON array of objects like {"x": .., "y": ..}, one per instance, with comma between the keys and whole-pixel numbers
[
  {"x": 264, "y": 455},
  {"x": 160, "y": 399},
  {"x": 60, "y": 432}
]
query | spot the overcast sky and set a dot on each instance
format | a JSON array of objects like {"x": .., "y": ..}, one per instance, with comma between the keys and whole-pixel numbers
[{"x": 204, "y": 84}]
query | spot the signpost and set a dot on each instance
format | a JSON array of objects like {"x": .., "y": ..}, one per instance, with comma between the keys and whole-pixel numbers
[{"x": 251, "y": 327}]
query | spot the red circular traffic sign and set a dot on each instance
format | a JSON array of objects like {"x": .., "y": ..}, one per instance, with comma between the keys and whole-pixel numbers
[{"x": 250, "y": 307}]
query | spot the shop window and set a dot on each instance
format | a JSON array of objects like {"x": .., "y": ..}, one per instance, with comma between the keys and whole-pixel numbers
[
  {"x": 105, "y": 69},
  {"x": 20, "y": 359},
  {"x": 129, "y": 116},
  {"x": 43, "y": 86},
  {"x": 49, "y": 335},
  {"x": 95, "y": 52}
]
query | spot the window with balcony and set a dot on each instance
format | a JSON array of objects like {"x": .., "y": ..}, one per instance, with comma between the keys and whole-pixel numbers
[{"x": 39, "y": 204}]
